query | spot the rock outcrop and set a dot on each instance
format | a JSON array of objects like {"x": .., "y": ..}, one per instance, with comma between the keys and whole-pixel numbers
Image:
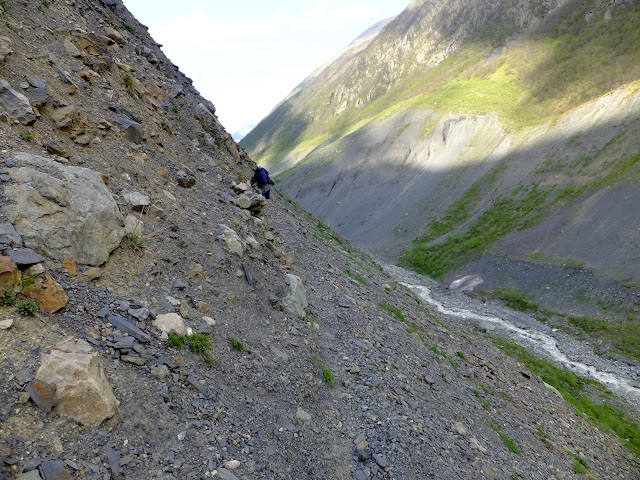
[{"x": 62, "y": 210}]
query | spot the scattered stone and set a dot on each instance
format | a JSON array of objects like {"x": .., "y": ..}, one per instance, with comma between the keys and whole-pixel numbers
[
  {"x": 31, "y": 475},
  {"x": 232, "y": 464},
  {"x": 232, "y": 242},
  {"x": 209, "y": 321},
  {"x": 10, "y": 276},
  {"x": 381, "y": 460},
  {"x": 459, "y": 429},
  {"x": 125, "y": 326},
  {"x": 295, "y": 302},
  {"x": 16, "y": 104},
  {"x": 185, "y": 180},
  {"x": 48, "y": 294},
  {"x": 71, "y": 49},
  {"x": 160, "y": 372},
  {"x": 9, "y": 235},
  {"x": 170, "y": 322},
  {"x": 90, "y": 274},
  {"x": 6, "y": 323},
  {"x": 25, "y": 256},
  {"x": 137, "y": 200},
  {"x": 57, "y": 148},
  {"x": 134, "y": 225},
  {"x": 54, "y": 470},
  {"x": 226, "y": 474},
  {"x": 64, "y": 117},
  {"x": 5, "y": 48},
  {"x": 112, "y": 456},
  {"x": 33, "y": 270},
  {"x": 303, "y": 416},
  {"x": 70, "y": 266},
  {"x": 140, "y": 314},
  {"x": 131, "y": 130},
  {"x": 475, "y": 444},
  {"x": 279, "y": 353},
  {"x": 135, "y": 359},
  {"x": 82, "y": 387}
]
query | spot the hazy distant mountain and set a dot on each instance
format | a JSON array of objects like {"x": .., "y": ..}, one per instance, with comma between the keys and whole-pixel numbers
[{"x": 243, "y": 131}]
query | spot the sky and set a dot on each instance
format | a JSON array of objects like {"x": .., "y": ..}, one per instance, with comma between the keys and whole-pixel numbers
[{"x": 247, "y": 55}]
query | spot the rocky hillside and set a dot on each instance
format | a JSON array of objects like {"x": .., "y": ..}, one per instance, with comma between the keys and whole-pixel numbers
[
  {"x": 503, "y": 129},
  {"x": 160, "y": 320}
]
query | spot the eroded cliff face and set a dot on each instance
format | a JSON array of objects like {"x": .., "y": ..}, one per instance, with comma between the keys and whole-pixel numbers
[{"x": 450, "y": 126}]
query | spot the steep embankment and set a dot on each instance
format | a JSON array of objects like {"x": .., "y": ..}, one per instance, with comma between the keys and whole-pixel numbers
[
  {"x": 500, "y": 127},
  {"x": 216, "y": 335}
]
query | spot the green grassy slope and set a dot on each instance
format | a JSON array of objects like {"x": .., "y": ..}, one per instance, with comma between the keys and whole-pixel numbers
[
  {"x": 528, "y": 66},
  {"x": 571, "y": 57}
]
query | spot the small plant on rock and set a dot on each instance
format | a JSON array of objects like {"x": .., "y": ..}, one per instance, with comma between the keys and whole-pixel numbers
[
  {"x": 134, "y": 242},
  {"x": 199, "y": 343},
  {"x": 27, "y": 137},
  {"x": 327, "y": 374},
  {"x": 236, "y": 344},
  {"x": 128, "y": 81},
  {"x": 177, "y": 341},
  {"x": 8, "y": 299},
  {"x": 130, "y": 29},
  {"x": 28, "y": 281},
  {"x": 27, "y": 307}
]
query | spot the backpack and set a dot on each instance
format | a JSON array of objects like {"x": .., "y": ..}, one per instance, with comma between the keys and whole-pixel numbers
[{"x": 263, "y": 177}]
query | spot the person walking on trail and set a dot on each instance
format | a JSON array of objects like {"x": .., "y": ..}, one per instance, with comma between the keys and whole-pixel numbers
[{"x": 263, "y": 180}]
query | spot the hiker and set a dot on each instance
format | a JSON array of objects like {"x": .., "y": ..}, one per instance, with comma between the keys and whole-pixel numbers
[{"x": 263, "y": 180}]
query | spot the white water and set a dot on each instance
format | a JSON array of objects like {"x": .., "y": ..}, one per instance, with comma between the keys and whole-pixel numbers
[{"x": 617, "y": 384}]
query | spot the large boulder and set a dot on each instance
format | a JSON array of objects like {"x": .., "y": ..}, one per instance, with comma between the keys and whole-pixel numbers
[
  {"x": 16, "y": 104},
  {"x": 62, "y": 210},
  {"x": 295, "y": 302},
  {"x": 82, "y": 387}
]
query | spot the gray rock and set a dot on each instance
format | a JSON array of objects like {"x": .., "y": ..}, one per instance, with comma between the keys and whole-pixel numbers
[
  {"x": 54, "y": 470},
  {"x": 57, "y": 148},
  {"x": 16, "y": 104},
  {"x": 47, "y": 195},
  {"x": 226, "y": 474},
  {"x": 9, "y": 235},
  {"x": 381, "y": 460},
  {"x": 132, "y": 131},
  {"x": 136, "y": 199},
  {"x": 295, "y": 302},
  {"x": 231, "y": 241},
  {"x": 124, "y": 343},
  {"x": 38, "y": 97},
  {"x": 140, "y": 313},
  {"x": 35, "y": 82},
  {"x": 112, "y": 455},
  {"x": 32, "y": 475},
  {"x": 125, "y": 326},
  {"x": 64, "y": 117},
  {"x": 186, "y": 180},
  {"x": 279, "y": 353},
  {"x": 24, "y": 256}
]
